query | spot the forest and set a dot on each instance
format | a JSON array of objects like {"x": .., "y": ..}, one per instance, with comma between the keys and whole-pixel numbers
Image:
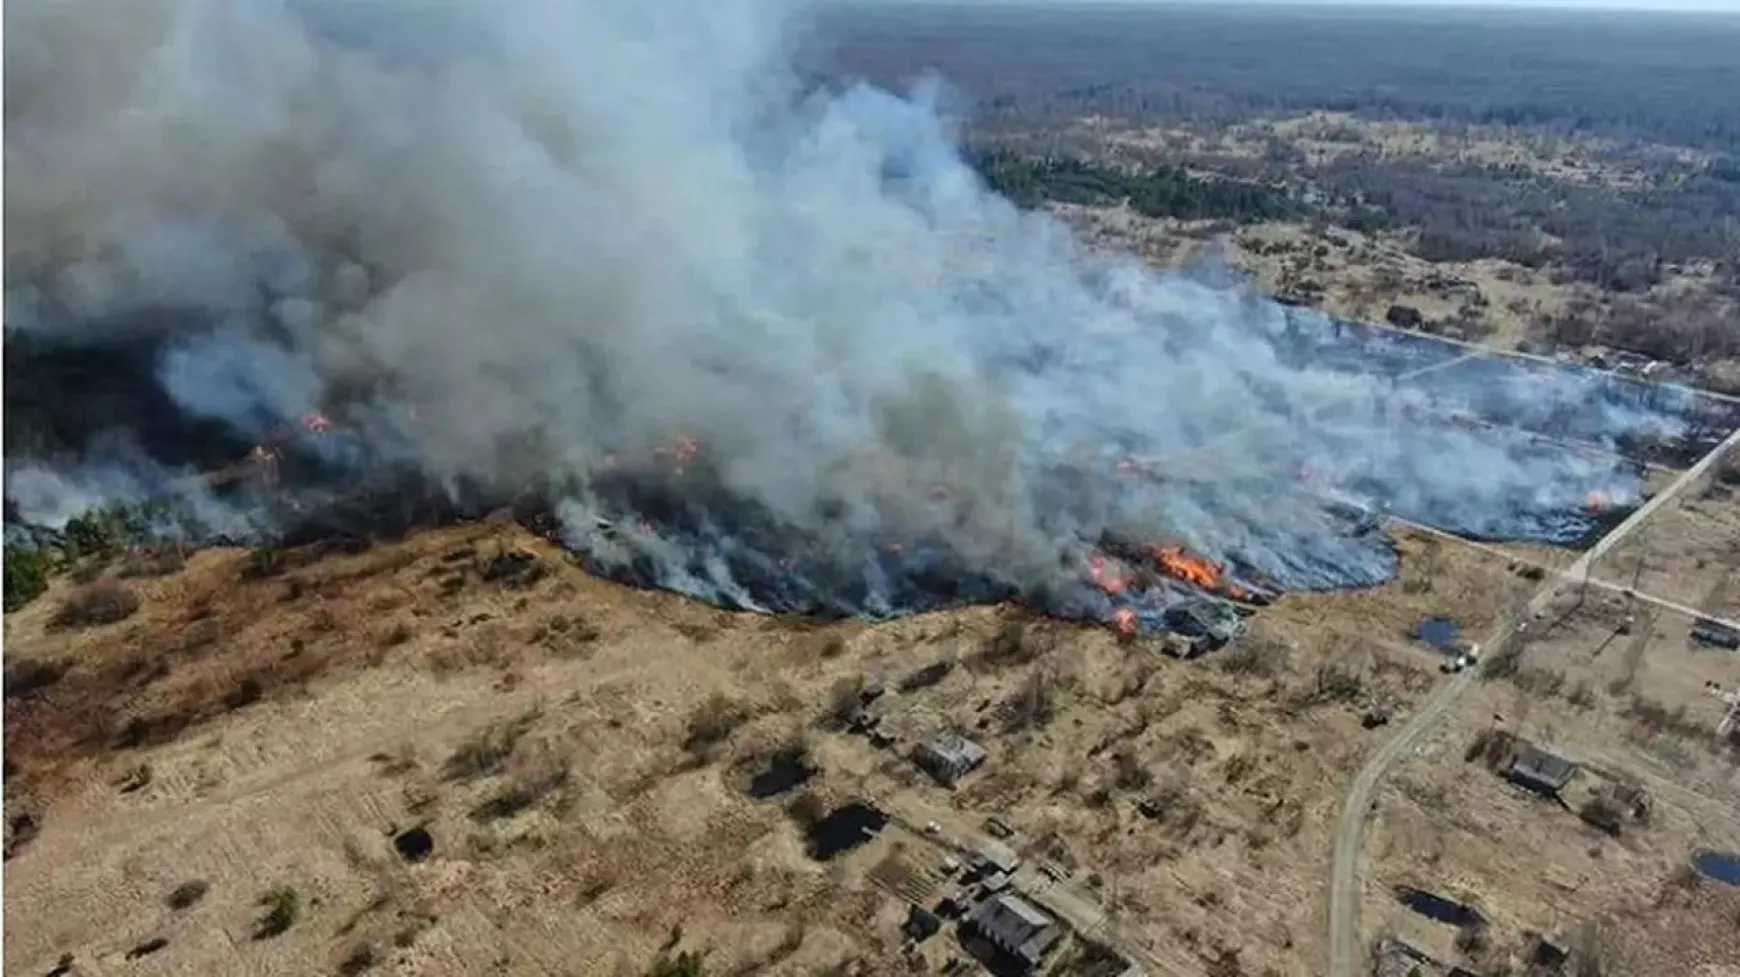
[{"x": 1631, "y": 82}]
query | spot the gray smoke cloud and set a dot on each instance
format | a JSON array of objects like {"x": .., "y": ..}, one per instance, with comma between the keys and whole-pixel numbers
[{"x": 507, "y": 239}]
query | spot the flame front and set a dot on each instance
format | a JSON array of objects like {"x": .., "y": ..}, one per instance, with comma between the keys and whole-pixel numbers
[
  {"x": 316, "y": 423},
  {"x": 1105, "y": 577},
  {"x": 1598, "y": 501},
  {"x": 1177, "y": 562},
  {"x": 1124, "y": 622}
]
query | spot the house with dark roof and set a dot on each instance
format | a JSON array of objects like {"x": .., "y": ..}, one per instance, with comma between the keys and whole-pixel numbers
[
  {"x": 1538, "y": 769},
  {"x": 949, "y": 756},
  {"x": 1017, "y": 927}
]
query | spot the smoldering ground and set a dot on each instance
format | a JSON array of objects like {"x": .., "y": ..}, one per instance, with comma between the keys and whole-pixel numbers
[{"x": 530, "y": 241}]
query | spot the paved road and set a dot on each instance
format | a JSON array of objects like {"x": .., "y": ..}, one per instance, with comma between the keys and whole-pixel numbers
[{"x": 1344, "y": 891}]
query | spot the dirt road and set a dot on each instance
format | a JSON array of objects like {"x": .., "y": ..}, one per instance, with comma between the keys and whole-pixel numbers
[{"x": 1344, "y": 890}]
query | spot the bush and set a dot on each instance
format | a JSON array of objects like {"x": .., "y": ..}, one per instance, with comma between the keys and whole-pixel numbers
[
  {"x": 27, "y": 571},
  {"x": 1601, "y": 813},
  {"x": 1009, "y": 646},
  {"x": 263, "y": 562},
  {"x": 806, "y": 810},
  {"x": 1504, "y": 663},
  {"x": 28, "y": 676},
  {"x": 1132, "y": 775},
  {"x": 186, "y": 895},
  {"x": 360, "y": 960},
  {"x": 1261, "y": 659},
  {"x": 689, "y": 963},
  {"x": 95, "y": 605},
  {"x": 844, "y": 698},
  {"x": 712, "y": 723},
  {"x": 1034, "y": 704},
  {"x": 283, "y": 907},
  {"x": 485, "y": 753},
  {"x": 521, "y": 794},
  {"x": 1338, "y": 682}
]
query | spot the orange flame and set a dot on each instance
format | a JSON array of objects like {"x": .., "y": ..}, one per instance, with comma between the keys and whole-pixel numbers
[
  {"x": 1188, "y": 567},
  {"x": 1124, "y": 622},
  {"x": 1198, "y": 571},
  {"x": 316, "y": 423},
  {"x": 1106, "y": 578},
  {"x": 1597, "y": 501}
]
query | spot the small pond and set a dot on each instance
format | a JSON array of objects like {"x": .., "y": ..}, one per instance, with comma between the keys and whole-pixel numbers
[
  {"x": 1723, "y": 866},
  {"x": 845, "y": 829},
  {"x": 1439, "y": 632},
  {"x": 785, "y": 771},
  {"x": 1440, "y": 909}
]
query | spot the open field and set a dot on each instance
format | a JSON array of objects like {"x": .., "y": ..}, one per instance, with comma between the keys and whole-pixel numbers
[
  {"x": 1689, "y": 554},
  {"x": 252, "y": 727},
  {"x": 1633, "y": 710}
]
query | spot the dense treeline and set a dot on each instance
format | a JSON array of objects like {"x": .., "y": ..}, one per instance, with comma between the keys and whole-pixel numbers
[
  {"x": 1156, "y": 192},
  {"x": 1638, "y": 78},
  {"x": 1663, "y": 78}
]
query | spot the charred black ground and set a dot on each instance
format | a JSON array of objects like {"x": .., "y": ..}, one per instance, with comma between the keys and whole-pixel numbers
[{"x": 682, "y": 528}]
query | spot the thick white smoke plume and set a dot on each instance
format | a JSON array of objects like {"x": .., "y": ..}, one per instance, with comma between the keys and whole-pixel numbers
[{"x": 507, "y": 239}]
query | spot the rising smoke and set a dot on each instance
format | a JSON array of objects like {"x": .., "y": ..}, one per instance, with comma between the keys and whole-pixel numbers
[{"x": 515, "y": 241}]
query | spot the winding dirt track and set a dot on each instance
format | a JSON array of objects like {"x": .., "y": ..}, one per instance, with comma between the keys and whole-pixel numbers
[{"x": 1356, "y": 807}]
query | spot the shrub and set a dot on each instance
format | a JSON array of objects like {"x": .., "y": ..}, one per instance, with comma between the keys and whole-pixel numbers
[
  {"x": 186, "y": 895},
  {"x": 806, "y": 810},
  {"x": 27, "y": 570},
  {"x": 360, "y": 960},
  {"x": 1504, "y": 663},
  {"x": 28, "y": 676},
  {"x": 689, "y": 963},
  {"x": 1132, "y": 775},
  {"x": 263, "y": 562},
  {"x": 485, "y": 753},
  {"x": 1034, "y": 704},
  {"x": 95, "y": 605},
  {"x": 1262, "y": 659},
  {"x": 283, "y": 907},
  {"x": 1010, "y": 645},
  {"x": 844, "y": 698},
  {"x": 712, "y": 723},
  {"x": 1601, "y": 813},
  {"x": 1338, "y": 682},
  {"x": 521, "y": 794}
]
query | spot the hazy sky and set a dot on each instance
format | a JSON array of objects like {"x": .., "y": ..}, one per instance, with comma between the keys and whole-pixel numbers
[{"x": 1705, "y": 6}]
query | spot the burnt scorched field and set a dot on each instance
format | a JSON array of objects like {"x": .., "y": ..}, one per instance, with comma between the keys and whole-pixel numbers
[{"x": 1115, "y": 529}]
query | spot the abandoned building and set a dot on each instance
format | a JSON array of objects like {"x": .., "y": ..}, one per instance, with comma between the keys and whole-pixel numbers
[
  {"x": 1211, "y": 622},
  {"x": 949, "y": 756},
  {"x": 1017, "y": 927},
  {"x": 996, "y": 857},
  {"x": 1714, "y": 634},
  {"x": 1537, "y": 769}
]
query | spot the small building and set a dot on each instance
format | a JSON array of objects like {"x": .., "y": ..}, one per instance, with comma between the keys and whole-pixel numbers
[
  {"x": 1715, "y": 635},
  {"x": 1017, "y": 927},
  {"x": 1537, "y": 769},
  {"x": 997, "y": 857},
  {"x": 1548, "y": 953},
  {"x": 949, "y": 756}
]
